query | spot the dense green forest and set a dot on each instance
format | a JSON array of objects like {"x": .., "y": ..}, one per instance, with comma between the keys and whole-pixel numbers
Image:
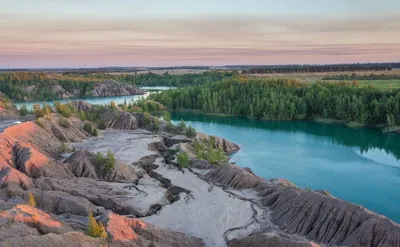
[
  {"x": 354, "y": 76},
  {"x": 152, "y": 79},
  {"x": 43, "y": 86},
  {"x": 288, "y": 99}
]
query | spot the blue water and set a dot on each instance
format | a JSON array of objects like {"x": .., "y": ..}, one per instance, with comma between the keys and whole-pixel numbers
[{"x": 357, "y": 165}]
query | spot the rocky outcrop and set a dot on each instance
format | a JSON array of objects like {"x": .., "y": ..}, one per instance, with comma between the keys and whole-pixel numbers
[
  {"x": 7, "y": 111},
  {"x": 234, "y": 177},
  {"x": 114, "y": 88},
  {"x": 122, "y": 229},
  {"x": 270, "y": 240},
  {"x": 118, "y": 119},
  {"x": 81, "y": 105},
  {"x": 218, "y": 142},
  {"x": 82, "y": 164},
  {"x": 319, "y": 217}
]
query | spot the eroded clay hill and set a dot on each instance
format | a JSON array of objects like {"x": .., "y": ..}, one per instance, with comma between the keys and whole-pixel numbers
[{"x": 146, "y": 199}]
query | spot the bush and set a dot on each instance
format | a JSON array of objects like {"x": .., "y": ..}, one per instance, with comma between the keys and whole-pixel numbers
[
  {"x": 181, "y": 127},
  {"x": 167, "y": 116},
  {"x": 101, "y": 124},
  {"x": 37, "y": 111},
  {"x": 88, "y": 128},
  {"x": 31, "y": 200},
  {"x": 154, "y": 125},
  {"x": 23, "y": 110},
  {"x": 147, "y": 118},
  {"x": 63, "y": 110},
  {"x": 63, "y": 122},
  {"x": 47, "y": 111},
  {"x": 190, "y": 132},
  {"x": 169, "y": 127},
  {"x": 82, "y": 115},
  {"x": 95, "y": 132},
  {"x": 63, "y": 148},
  {"x": 95, "y": 229},
  {"x": 183, "y": 160},
  {"x": 105, "y": 163},
  {"x": 113, "y": 105}
]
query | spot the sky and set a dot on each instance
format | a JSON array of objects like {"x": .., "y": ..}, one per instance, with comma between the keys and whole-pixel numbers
[{"x": 98, "y": 33}]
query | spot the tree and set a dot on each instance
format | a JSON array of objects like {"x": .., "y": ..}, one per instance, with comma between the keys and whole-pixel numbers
[
  {"x": 46, "y": 110},
  {"x": 37, "y": 111},
  {"x": 190, "y": 132},
  {"x": 95, "y": 229},
  {"x": 23, "y": 110},
  {"x": 181, "y": 126},
  {"x": 31, "y": 200},
  {"x": 183, "y": 159},
  {"x": 167, "y": 116}
]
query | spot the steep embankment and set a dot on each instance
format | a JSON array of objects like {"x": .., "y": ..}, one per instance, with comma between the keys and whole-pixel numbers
[
  {"x": 144, "y": 189},
  {"x": 7, "y": 111}
]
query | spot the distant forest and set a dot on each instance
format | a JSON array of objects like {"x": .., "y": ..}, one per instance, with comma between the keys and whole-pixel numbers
[
  {"x": 320, "y": 68},
  {"x": 288, "y": 99},
  {"x": 362, "y": 77},
  {"x": 45, "y": 86}
]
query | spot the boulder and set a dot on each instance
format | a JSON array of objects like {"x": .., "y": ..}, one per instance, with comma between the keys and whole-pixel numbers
[
  {"x": 218, "y": 142},
  {"x": 233, "y": 177},
  {"x": 118, "y": 119},
  {"x": 201, "y": 164},
  {"x": 81, "y": 105}
]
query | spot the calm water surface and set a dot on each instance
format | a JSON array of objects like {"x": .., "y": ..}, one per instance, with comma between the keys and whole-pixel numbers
[{"x": 357, "y": 165}]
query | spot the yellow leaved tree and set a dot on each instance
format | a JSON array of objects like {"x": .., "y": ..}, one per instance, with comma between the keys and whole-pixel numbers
[{"x": 95, "y": 229}]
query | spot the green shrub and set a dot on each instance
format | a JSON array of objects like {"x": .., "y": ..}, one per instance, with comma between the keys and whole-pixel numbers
[
  {"x": 63, "y": 122},
  {"x": 38, "y": 111},
  {"x": 169, "y": 127},
  {"x": 88, "y": 128},
  {"x": 102, "y": 125},
  {"x": 147, "y": 118},
  {"x": 63, "y": 148},
  {"x": 23, "y": 110},
  {"x": 106, "y": 163},
  {"x": 190, "y": 132},
  {"x": 154, "y": 125},
  {"x": 181, "y": 127},
  {"x": 82, "y": 115},
  {"x": 183, "y": 160},
  {"x": 63, "y": 110},
  {"x": 95, "y": 132},
  {"x": 167, "y": 116}
]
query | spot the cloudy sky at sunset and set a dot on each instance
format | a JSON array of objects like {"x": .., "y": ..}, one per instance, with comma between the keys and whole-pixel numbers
[{"x": 92, "y": 33}]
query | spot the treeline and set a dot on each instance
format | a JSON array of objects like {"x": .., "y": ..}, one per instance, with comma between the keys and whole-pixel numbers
[
  {"x": 288, "y": 99},
  {"x": 316, "y": 68},
  {"x": 21, "y": 86},
  {"x": 362, "y": 77},
  {"x": 152, "y": 79},
  {"x": 41, "y": 86}
]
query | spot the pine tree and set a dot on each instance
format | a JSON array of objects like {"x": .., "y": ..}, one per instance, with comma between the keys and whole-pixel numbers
[
  {"x": 31, "y": 200},
  {"x": 93, "y": 230}
]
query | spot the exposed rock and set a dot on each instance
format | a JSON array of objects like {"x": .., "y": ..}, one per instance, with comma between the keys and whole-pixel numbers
[
  {"x": 319, "y": 217},
  {"x": 133, "y": 232},
  {"x": 81, "y": 105},
  {"x": 114, "y": 88},
  {"x": 81, "y": 164},
  {"x": 219, "y": 143},
  {"x": 176, "y": 139},
  {"x": 270, "y": 240},
  {"x": 7, "y": 111},
  {"x": 74, "y": 239},
  {"x": 118, "y": 119},
  {"x": 201, "y": 164},
  {"x": 233, "y": 177},
  {"x": 35, "y": 218}
]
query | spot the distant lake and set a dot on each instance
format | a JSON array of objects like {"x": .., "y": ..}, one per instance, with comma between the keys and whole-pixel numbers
[
  {"x": 357, "y": 165},
  {"x": 96, "y": 100}
]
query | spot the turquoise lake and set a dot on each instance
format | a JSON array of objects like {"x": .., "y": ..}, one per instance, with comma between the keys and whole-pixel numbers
[
  {"x": 357, "y": 165},
  {"x": 361, "y": 166}
]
